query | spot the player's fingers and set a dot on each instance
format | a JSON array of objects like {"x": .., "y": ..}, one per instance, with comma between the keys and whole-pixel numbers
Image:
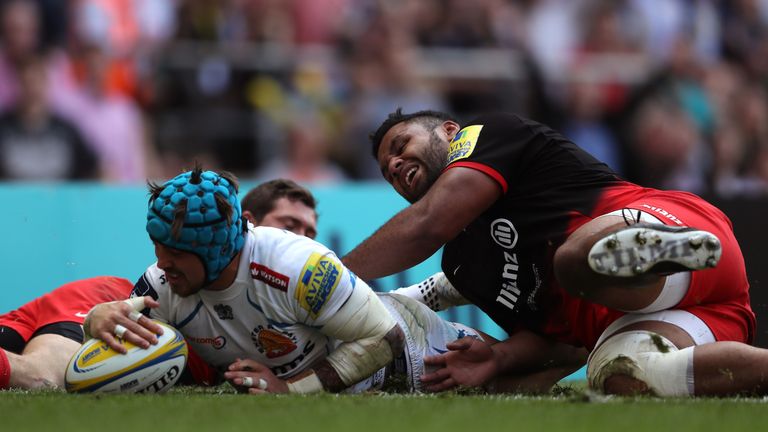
[
  {"x": 136, "y": 335},
  {"x": 145, "y": 335},
  {"x": 435, "y": 361},
  {"x": 460, "y": 344},
  {"x": 436, "y": 376},
  {"x": 141, "y": 303},
  {"x": 236, "y": 375},
  {"x": 139, "y": 324},
  {"x": 143, "y": 322},
  {"x": 258, "y": 391},
  {"x": 112, "y": 341},
  {"x": 150, "y": 302},
  {"x": 248, "y": 365},
  {"x": 240, "y": 365}
]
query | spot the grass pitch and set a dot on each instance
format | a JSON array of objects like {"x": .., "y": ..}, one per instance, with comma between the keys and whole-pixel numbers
[{"x": 186, "y": 409}]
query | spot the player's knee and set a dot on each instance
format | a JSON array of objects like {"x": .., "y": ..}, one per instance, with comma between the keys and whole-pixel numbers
[
  {"x": 624, "y": 385},
  {"x": 33, "y": 378},
  {"x": 641, "y": 362},
  {"x": 44, "y": 381}
]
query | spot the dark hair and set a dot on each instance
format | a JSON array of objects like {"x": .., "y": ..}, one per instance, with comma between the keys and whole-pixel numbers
[
  {"x": 427, "y": 118},
  {"x": 261, "y": 199}
]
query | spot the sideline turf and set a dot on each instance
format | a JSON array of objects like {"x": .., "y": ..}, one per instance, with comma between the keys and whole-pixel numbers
[{"x": 219, "y": 412}]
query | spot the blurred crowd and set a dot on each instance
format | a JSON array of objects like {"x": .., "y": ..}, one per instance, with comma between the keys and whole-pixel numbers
[{"x": 670, "y": 93}]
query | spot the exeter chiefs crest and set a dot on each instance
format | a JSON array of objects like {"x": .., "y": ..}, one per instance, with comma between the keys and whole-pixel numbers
[
  {"x": 224, "y": 311},
  {"x": 273, "y": 343}
]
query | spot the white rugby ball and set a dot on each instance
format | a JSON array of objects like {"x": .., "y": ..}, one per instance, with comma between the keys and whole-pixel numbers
[{"x": 96, "y": 368}]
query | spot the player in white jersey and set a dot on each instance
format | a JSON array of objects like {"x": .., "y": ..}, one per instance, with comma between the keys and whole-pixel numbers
[{"x": 278, "y": 311}]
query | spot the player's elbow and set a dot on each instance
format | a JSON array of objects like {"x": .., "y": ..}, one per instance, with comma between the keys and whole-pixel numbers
[{"x": 353, "y": 361}]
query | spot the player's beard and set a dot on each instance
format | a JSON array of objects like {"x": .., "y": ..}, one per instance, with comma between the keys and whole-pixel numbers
[
  {"x": 183, "y": 287},
  {"x": 434, "y": 160}
]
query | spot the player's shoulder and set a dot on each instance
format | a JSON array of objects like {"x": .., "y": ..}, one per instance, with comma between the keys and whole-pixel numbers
[
  {"x": 498, "y": 120},
  {"x": 281, "y": 251},
  {"x": 269, "y": 241},
  {"x": 484, "y": 131},
  {"x": 505, "y": 122},
  {"x": 151, "y": 283},
  {"x": 509, "y": 128}
]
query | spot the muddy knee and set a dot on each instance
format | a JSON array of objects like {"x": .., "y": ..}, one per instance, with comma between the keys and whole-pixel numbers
[
  {"x": 624, "y": 385},
  {"x": 641, "y": 362}
]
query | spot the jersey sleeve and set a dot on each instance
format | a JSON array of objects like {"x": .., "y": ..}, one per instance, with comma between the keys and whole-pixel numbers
[
  {"x": 321, "y": 288},
  {"x": 306, "y": 280},
  {"x": 485, "y": 145},
  {"x": 153, "y": 284}
]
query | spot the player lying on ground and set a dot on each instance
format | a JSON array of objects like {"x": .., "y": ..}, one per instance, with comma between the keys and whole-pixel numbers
[{"x": 38, "y": 339}]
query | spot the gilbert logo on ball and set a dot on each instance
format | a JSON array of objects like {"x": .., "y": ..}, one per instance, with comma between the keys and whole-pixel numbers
[{"x": 96, "y": 368}]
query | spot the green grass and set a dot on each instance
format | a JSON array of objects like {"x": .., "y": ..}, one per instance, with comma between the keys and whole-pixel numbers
[{"x": 219, "y": 411}]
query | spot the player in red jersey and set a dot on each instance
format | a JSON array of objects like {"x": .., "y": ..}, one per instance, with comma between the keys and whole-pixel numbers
[
  {"x": 39, "y": 338},
  {"x": 545, "y": 238}
]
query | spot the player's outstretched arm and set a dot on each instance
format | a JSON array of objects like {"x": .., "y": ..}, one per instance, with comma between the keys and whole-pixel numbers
[
  {"x": 257, "y": 378},
  {"x": 108, "y": 321},
  {"x": 370, "y": 340},
  {"x": 473, "y": 363},
  {"x": 457, "y": 198},
  {"x": 351, "y": 362}
]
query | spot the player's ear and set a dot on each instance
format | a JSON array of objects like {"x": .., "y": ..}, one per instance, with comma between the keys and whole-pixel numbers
[
  {"x": 451, "y": 128},
  {"x": 248, "y": 215}
]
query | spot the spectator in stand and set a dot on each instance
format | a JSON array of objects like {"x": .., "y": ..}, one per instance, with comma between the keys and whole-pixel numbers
[
  {"x": 584, "y": 124},
  {"x": 663, "y": 144},
  {"x": 20, "y": 41},
  {"x": 745, "y": 35},
  {"x": 111, "y": 122},
  {"x": 35, "y": 143}
]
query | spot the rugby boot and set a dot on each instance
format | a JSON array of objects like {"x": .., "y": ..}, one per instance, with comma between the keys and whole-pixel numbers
[{"x": 654, "y": 248}]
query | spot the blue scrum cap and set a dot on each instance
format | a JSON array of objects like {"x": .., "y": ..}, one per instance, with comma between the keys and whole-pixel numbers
[{"x": 198, "y": 212}]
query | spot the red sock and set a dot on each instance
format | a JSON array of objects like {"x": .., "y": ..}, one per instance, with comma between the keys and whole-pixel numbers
[{"x": 5, "y": 370}]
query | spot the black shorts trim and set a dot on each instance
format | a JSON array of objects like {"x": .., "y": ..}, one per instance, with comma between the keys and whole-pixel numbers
[
  {"x": 11, "y": 340},
  {"x": 70, "y": 330}
]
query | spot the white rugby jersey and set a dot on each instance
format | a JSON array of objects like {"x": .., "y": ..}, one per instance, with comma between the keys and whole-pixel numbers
[{"x": 287, "y": 288}]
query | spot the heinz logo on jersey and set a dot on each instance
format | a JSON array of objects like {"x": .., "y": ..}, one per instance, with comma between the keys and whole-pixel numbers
[
  {"x": 463, "y": 143},
  {"x": 319, "y": 279}
]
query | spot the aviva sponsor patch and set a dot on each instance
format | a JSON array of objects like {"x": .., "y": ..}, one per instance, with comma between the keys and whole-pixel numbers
[
  {"x": 463, "y": 143},
  {"x": 319, "y": 279}
]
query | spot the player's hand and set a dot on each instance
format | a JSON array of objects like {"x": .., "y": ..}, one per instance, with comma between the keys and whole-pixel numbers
[
  {"x": 254, "y": 377},
  {"x": 121, "y": 319},
  {"x": 469, "y": 362}
]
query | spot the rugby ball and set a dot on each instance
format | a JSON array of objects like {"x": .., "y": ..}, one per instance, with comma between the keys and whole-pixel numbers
[{"x": 97, "y": 368}]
